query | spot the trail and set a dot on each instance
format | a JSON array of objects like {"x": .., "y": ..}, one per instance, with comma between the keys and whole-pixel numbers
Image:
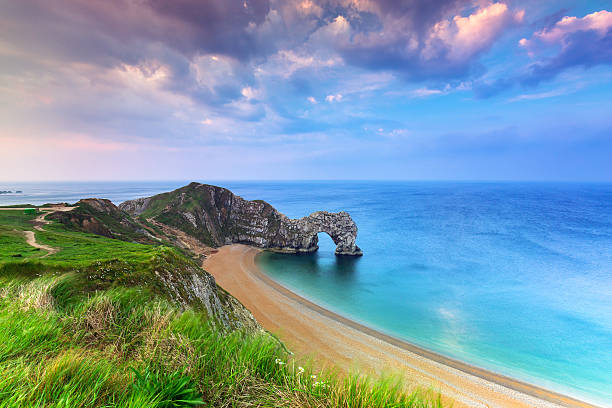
[
  {"x": 38, "y": 223},
  {"x": 31, "y": 240}
]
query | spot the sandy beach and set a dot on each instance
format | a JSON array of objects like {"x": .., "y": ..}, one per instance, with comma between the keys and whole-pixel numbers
[{"x": 311, "y": 331}]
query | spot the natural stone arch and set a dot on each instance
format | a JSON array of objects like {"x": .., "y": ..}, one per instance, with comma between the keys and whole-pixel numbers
[
  {"x": 340, "y": 227},
  {"x": 301, "y": 234}
]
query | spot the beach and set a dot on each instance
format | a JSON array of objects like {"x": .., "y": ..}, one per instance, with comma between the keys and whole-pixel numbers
[{"x": 331, "y": 340}]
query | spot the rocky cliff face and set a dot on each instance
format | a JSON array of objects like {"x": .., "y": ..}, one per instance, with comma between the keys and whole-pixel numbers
[
  {"x": 216, "y": 217},
  {"x": 188, "y": 285}
]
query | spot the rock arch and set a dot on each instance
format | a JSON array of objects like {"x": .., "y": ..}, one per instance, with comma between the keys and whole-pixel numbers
[
  {"x": 300, "y": 235},
  {"x": 339, "y": 226}
]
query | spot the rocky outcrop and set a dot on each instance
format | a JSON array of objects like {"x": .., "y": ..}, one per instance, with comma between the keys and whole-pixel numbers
[
  {"x": 102, "y": 217},
  {"x": 216, "y": 216}
]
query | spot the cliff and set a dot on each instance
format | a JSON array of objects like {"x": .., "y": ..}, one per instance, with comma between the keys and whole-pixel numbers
[
  {"x": 216, "y": 216},
  {"x": 168, "y": 273}
]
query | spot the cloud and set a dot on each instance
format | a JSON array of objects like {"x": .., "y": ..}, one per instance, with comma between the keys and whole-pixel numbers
[
  {"x": 286, "y": 63},
  {"x": 581, "y": 42},
  {"x": 333, "y": 98},
  {"x": 539, "y": 95},
  {"x": 437, "y": 47},
  {"x": 600, "y": 22},
  {"x": 224, "y": 27},
  {"x": 211, "y": 51},
  {"x": 424, "y": 92},
  {"x": 190, "y": 71},
  {"x": 464, "y": 37}
]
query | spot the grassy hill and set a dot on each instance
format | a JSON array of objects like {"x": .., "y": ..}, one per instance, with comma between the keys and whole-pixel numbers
[{"x": 106, "y": 322}]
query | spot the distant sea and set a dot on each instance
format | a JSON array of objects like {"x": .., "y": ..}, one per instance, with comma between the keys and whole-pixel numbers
[{"x": 511, "y": 277}]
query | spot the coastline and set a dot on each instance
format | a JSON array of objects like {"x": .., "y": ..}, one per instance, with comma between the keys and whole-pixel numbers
[{"x": 333, "y": 340}]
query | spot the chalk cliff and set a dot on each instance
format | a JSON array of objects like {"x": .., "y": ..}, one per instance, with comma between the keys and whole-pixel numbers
[{"x": 216, "y": 216}]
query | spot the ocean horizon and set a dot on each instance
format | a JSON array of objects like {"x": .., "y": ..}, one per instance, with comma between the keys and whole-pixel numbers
[{"x": 514, "y": 277}]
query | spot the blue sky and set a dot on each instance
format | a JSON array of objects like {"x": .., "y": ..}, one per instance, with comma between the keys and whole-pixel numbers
[{"x": 306, "y": 89}]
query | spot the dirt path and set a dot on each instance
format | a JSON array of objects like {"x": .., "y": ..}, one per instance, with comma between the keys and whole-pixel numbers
[
  {"x": 312, "y": 331},
  {"x": 38, "y": 223},
  {"x": 40, "y": 220},
  {"x": 30, "y": 237}
]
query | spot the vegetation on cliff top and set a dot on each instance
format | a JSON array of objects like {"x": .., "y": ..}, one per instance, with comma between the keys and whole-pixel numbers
[{"x": 92, "y": 326}]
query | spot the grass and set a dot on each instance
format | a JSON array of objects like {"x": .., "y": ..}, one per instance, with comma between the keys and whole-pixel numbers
[
  {"x": 16, "y": 219},
  {"x": 92, "y": 327},
  {"x": 13, "y": 246},
  {"x": 78, "y": 249},
  {"x": 82, "y": 248}
]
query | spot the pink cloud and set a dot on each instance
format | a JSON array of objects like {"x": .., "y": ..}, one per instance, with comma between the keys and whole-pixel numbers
[
  {"x": 599, "y": 22},
  {"x": 464, "y": 37}
]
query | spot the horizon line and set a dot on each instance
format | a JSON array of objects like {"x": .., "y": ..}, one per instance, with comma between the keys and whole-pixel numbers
[{"x": 568, "y": 181}]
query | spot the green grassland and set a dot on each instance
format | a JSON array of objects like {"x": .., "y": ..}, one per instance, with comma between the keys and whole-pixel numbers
[
  {"x": 90, "y": 326},
  {"x": 77, "y": 248},
  {"x": 15, "y": 219},
  {"x": 13, "y": 245}
]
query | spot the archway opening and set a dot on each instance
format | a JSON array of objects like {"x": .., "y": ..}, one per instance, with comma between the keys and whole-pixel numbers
[
  {"x": 336, "y": 267},
  {"x": 327, "y": 247}
]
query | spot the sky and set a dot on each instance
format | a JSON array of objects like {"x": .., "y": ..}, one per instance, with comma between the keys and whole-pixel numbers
[{"x": 305, "y": 89}]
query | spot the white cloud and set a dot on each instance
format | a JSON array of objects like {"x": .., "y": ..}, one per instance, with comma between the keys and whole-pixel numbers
[
  {"x": 214, "y": 72},
  {"x": 286, "y": 62},
  {"x": 251, "y": 93},
  {"x": 333, "y": 98},
  {"x": 424, "y": 92}
]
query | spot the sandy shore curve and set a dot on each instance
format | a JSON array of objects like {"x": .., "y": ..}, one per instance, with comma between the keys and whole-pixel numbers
[{"x": 332, "y": 340}]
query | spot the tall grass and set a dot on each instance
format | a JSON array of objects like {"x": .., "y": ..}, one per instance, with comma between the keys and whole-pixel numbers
[{"x": 123, "y": 347}]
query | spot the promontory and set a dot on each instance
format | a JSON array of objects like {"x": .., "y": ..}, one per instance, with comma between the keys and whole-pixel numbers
[{"x": 216, "y": 216}]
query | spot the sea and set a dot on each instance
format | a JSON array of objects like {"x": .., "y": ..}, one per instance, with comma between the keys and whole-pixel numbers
[{"x": 512, "y": 277}]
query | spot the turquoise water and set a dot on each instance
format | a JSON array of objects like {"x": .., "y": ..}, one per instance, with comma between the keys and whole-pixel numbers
[{"x": 516, "y": 278}]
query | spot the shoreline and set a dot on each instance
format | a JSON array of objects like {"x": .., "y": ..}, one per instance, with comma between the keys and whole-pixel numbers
[{"x": 312, "y": 330}]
